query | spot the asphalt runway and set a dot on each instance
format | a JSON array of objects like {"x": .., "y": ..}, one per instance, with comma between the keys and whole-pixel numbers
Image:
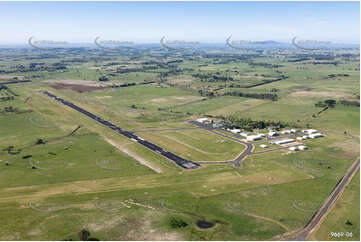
[{"x": 186, "y": 164}]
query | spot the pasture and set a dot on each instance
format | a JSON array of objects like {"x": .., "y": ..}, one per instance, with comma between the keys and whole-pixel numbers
[{"x": 61, "y": 172}]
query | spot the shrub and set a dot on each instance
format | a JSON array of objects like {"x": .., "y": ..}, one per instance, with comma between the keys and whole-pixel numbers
[{"x": 177, "y": 223}]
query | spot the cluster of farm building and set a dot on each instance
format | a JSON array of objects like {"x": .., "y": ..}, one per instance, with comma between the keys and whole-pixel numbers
[{"x": 290, "y": 138}]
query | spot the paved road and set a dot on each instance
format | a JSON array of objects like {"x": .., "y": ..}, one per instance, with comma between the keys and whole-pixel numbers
[
  {"x": 238, "y": 161},
  {"x": 186, "y": 164},
  {"x": 322, "y": 212}
]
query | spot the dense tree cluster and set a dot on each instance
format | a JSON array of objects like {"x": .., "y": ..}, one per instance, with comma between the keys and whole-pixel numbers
[
  {"x": 177, "y": 223},
  {"x": 6, "y": 98},
  {"x": 350, "y": 103},
  {"x": 249, "y": 124},
  {"x": 326, "y": 103},
  {"x": 269, "y": 96},
  {"x": 266, "y": 65},
  {"x": 103, "y": 79}
]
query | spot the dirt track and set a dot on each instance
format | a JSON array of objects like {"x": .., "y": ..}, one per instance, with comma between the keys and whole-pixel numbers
[{"x": 135, "y": 156}]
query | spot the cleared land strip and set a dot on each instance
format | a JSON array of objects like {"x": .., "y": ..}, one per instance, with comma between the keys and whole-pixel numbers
[
  {"x": 134, "y": 156},
  {"x": 321, "y": 213},
  {"x": 159, "y": 130},
  {"x": 104, "y": 185}
]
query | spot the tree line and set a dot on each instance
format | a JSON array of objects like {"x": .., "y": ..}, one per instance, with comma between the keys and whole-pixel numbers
[{"x": 249, "y": 124}]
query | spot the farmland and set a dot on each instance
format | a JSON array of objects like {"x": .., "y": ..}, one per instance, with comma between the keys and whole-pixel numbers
[{"x": 61, "y": 171}]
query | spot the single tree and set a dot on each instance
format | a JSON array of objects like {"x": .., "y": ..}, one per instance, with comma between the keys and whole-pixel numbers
[{"x": 84, "y": 235}]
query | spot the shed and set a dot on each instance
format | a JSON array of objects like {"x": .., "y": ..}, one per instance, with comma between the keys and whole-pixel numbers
[
  {"x": 309, "y": 131},
  {"x": 284, "y": 141},
  {"x": 285, "y": 132},
  {"x": 202, "y": 120},
  {"x": 272, "y": 133},
  {"x": 315, "y": 135},
  {"x": 253, "y": 137}
]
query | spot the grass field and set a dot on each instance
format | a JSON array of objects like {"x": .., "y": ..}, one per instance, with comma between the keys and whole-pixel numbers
[
  {"x": 61, "y": 171},
  {"x": 197, "y": 145},
  {"x": 346, "y": 209}
]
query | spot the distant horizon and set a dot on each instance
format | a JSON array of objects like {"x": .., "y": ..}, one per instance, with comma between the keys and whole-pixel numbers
[
  {"x": 91, "y": 44},
  {"x": 206, "y": 22}
]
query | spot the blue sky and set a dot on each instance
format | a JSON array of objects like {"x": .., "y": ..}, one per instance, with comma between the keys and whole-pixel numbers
[{"x": 210, "y": 22}]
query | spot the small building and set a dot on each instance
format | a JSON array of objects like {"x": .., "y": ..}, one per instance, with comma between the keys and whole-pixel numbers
[
  {"x": 244, "y": 134},
  {"x": 309, "y": 131},
  {"x": 202, "y": 120},
  {"x": 302, "y": 147},
  {"x": 235, "y": 131},
  {"x": 253, "y": 137},
  {"x": 315, "y": 135},
  {"x": 218, "y": 125},
  {"x": 263, "y": 146},
  {"x": 284, "y": 141},
  {"x": 272, "y": 134},
  {"x": 293, "y": 148},
  {"x": 285, "y": 132}
]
